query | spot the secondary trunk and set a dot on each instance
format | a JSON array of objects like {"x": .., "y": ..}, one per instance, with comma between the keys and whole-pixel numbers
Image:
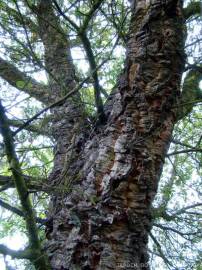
[{"x": 99, "y": 217}]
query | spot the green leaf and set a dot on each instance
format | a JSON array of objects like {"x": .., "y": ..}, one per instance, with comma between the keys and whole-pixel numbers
[{"x": 20, "y": 84}]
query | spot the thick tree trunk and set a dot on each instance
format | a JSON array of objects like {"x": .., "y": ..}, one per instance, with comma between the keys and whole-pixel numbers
[{"x": 102, "y": 220}]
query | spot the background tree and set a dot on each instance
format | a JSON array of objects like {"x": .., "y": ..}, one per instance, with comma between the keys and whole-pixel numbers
[{"x": 87, "y": 150}]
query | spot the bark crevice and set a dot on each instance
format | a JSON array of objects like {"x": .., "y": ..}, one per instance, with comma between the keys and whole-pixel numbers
[{"x": 104, "y": 222}]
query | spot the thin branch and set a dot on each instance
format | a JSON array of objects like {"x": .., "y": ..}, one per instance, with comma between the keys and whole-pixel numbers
[
  {"x": 59, "y": 102},
  {"x": 196, "y": 41},
  {"x": 15, "y": 15},
  {"x": 183, "y": 210},
  {"x": 18, "y": 254},
  {"x": 89, "y": 52},
  {"x": 90, "y": 14},
  {"x": 119, "y": 27},
  {"x": 11, "y": 208},
  {"x": 38, "y": 61},
  {"x": 182, "y": 144},
  {"x": 191, "y": 93},
  {"x": 81, "y": 31},
  {"x": 182, "y": 234},
  {"x": 5, "y": 187},
  {"x": 159, "y": 212},
  {"x": 199, "y": 141},
  {"x": 28, "y": 149},
  {"x": 47, "y": 94},
  {"x": 184, "y": 151},
  {"x": 33, "y": 183},
  {"x": 96, "y": 84},
  {"x": 97, "y": 88},
  {"x": 194, "y": 67},
  {"x": 37, "y": 128},
  {"x": 75, "y": 26},
  {"x": 167, "y": 262},
  {"x": 18, "y": 212}
]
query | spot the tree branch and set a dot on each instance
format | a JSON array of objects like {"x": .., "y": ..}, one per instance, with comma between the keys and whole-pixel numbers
[
  {"x": 18, "y": 212},
  {"x": 183, "y": 210},
  {"x": 191, "y": 93},
  {"x": 160, "y": 250},
  {"x": 96, "y": 84},
  {"x": 74, "y": 25},
  {"x": 40, "y": 262},
  {"x": 58, "y": 102},
  {"x": 11, "y": 208},
  {"x": 37, "y": 128},
  {"x": 182, "y": 234},
  {"x": 18, "y": 18},
  {"x": 119, "y": 26},
  {"x": 22, "y": 82},
  {"x": 90, "y": 14},
  {"x": 18, "y": 254},
  {"x": 33, "y": 183},
  {"x": 184, "y": 151},
  {"x": 182, "y": 144},
  {"x": 161, "y": 213},
  {"x": 81, "y": 31}
]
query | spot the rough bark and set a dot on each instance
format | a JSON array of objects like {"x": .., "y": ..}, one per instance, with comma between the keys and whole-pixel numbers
[
  {"x": 100, "y": 212},
  {"x": 66, "y": 121}
]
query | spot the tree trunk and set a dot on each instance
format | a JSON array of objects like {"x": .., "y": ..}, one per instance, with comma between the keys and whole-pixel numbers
[{"x": 99, "y": 216}]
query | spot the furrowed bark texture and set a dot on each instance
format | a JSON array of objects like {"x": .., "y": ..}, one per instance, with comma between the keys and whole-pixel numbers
[
  {"x": 58, "y": 61},
  {"x": 103, "y": 221}
]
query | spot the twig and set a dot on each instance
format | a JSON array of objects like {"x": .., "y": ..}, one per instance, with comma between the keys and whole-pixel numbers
[
  {"x": 61, "y": 101},
  {"x": 18, "y": 212}
]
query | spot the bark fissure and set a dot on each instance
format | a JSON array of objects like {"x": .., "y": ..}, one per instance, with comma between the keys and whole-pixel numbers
[
  {"x": 58, "y": 61},
  {"x": 104, "y": 222}
]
